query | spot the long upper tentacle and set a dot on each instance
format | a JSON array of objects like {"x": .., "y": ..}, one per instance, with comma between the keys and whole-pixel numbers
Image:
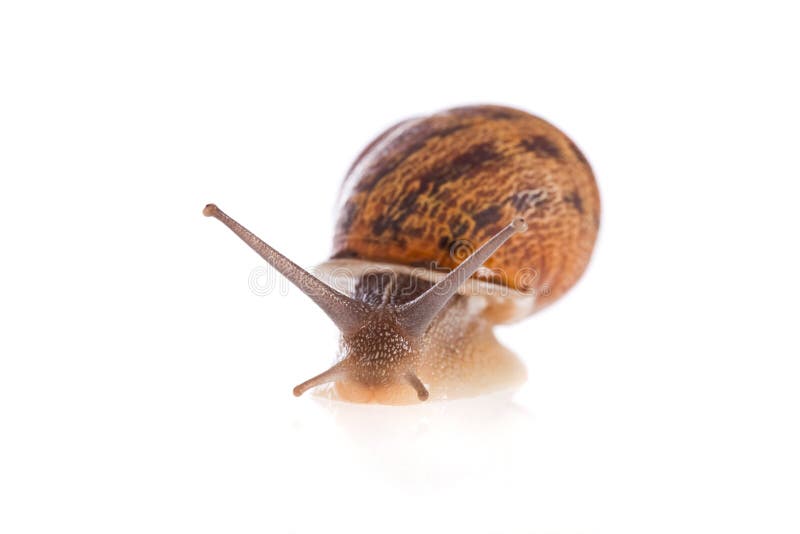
[
  {"x": 346, "y": 313},
  {"x": 415, "y": 316}
]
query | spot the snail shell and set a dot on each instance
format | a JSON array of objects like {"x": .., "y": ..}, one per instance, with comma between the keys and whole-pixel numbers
[{"x": 427, "y": 191}]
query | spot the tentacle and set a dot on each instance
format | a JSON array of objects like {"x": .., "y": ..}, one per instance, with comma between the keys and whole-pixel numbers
[
  {"x": 346, "y": 313},
  {"x": 415, "y": 316}
]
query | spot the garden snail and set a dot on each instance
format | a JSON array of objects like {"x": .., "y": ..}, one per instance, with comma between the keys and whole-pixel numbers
[{"x": 421, "y": 193}]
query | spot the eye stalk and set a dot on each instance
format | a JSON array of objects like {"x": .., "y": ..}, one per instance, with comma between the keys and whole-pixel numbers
[
  {"x": 402, "y": 326},
  {"x": 346, "y": 313},
  {"x": 417, "y": 315}
]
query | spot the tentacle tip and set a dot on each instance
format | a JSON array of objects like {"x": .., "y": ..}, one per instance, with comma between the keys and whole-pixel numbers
[
  {"x": 519, "y": 224},
  {"x": 297, "y": 391},
  {"x": 210, "y": 210},
  {"x": 422, "y": 395}
]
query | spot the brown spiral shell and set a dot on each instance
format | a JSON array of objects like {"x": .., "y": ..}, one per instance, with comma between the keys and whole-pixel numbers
[{"x": 428, "y": 190}]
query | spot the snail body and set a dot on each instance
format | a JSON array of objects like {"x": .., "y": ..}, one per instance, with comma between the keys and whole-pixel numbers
[{"x": 421, "y": 271}]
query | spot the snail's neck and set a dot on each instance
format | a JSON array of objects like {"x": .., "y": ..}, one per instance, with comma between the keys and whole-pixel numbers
[{"x": 388, "y": 288}]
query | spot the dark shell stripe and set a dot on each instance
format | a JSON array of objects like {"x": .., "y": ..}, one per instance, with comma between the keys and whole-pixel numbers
[{"x": 427, "y": 186}]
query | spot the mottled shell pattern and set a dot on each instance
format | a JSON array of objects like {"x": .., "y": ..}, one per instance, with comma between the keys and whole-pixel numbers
[{"x": 428, "y": 191}]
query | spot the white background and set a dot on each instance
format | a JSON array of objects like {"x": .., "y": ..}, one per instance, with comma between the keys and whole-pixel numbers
[{"x": 145, "y": 388}]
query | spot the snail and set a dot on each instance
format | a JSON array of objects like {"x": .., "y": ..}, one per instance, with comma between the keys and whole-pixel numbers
[{"x": 447, "y": 225}]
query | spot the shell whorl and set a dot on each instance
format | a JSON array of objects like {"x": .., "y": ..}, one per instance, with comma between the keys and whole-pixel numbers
[{"x": 428, "y": 191}]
